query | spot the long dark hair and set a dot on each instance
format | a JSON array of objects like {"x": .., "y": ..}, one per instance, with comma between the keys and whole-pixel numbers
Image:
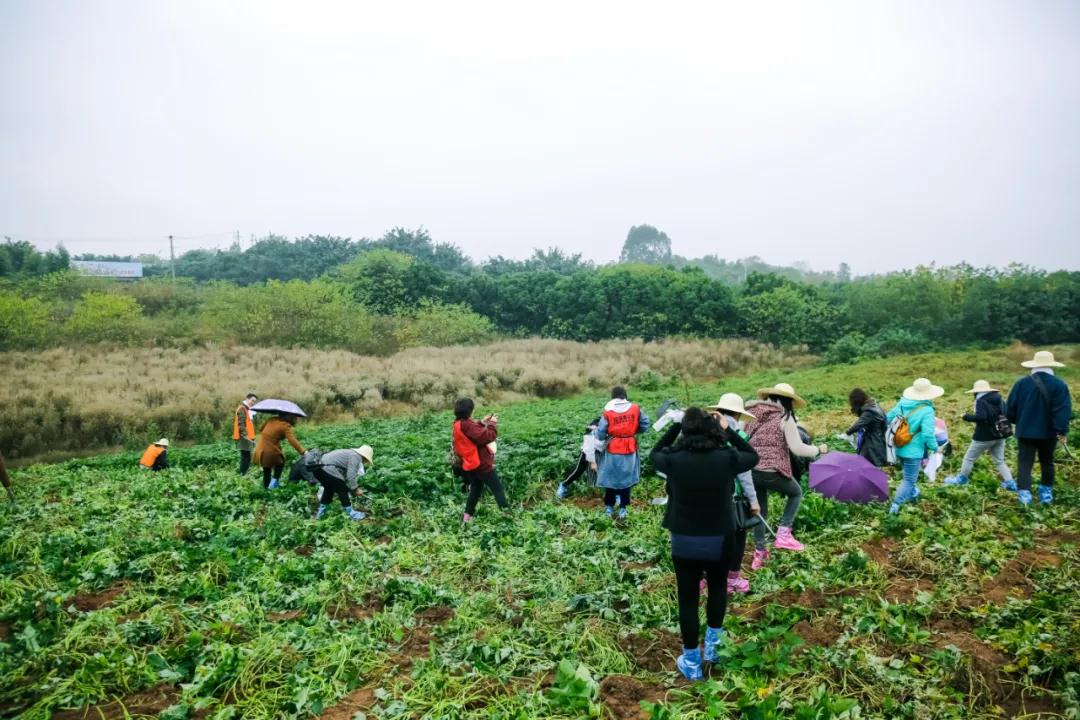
[
  {"x": 858, "y": 399},
  {"x": 787, "y": 403},
  {"x": 700, "y": 432}
]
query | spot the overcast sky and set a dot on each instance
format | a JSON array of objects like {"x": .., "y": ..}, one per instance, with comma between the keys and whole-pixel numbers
[{"x": 884, "y": 134}]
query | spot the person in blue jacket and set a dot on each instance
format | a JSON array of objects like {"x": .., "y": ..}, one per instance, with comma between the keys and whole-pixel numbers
[
  {"x": 1040, "y": 407},
  {"x": 917, "y": 408}
]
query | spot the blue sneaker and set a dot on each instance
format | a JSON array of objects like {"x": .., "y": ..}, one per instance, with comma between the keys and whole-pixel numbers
[
  {"x": 560, "y": 492},
  {"x": 622, "y": 513},
  {"x": 274, "y": 485},
  {"x": 956, "y": 480},
  {"x": 355, "y": 514},
  {"x": 1009, "y": 485},
  {"x": 689, "y": 664},
  {"x": 1046, "y": 494},
  {"x": 1025, "y": 497},
  {"x": 713, "y": 638},
  {"x": 321, "y": 512}
]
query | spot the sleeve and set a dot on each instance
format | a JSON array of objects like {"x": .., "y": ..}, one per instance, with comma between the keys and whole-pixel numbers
[
  {"x": 795, "y": 443},
  {"x": 747, "y": 482},
  {"x": 601, "y": 430},
  {"x": 927, "y": 430},
  {"x": 161, "y": 462},
  {"x": 291, "y": 437},
  {"x": 354, "y": 471},
  {"x": 1062, "y": 410},
  {"x": 746, "y": 457},
  {"x": 1012, "y": 403},
  {"x": 892, "y": 413},
  {"x": 661, "y": 459},
  {"x": 643, "y": 421},
  {"x": 981, "y": 413},
  {"x": 479, "y": 433},
  {"x": 588, "y": 448},
  {"x": 866, "y": 418}
]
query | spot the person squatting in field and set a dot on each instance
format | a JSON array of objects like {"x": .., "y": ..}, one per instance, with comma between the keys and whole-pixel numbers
[
  {"x": 338, "y": 472},
  {"x": 244, "y": 431},
  {"x": 701, "y": 458},
  {"x": 473, "y": 445},
  {"x": 731, "y": 406},
  {"x": 268, "y": 453},
  {"x": 156, "y": 456},
  {"x": 619, "y": 468},
  {"x": 586, "y": 461}
]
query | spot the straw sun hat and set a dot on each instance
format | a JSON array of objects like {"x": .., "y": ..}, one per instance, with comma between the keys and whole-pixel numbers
[
  {"x": 782, "y": 390},
  {"x": 367, "y": 453},
  {"x": 982, "y": 386},
  {"x": 732, "y": 402},
  {"x": 1042, "y": 359},
  {"x": 923, "y": 389}
]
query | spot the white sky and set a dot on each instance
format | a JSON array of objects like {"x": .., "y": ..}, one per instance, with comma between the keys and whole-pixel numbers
[{"x": 884, "y": 134}]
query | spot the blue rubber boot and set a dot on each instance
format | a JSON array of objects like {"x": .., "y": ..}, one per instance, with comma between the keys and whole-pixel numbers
[
  {"x": 1009, "y": 485},
  {"x": 560, "y": 492},
  {"x": 1046, "y": 494},
  {"x": 689, "y": 664},
  {"x": 713, "y": 638},
  {"x": 1024, "y": 496},
  {"x": 354, "y": 514},
  {"x": 956, "y": 480},
  {"x": 321, "y": 512}
]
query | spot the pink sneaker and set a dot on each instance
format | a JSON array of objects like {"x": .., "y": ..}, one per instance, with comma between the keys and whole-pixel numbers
[
  {"x": 760, "y": 558},
  {"x": 703, "y": 587},
  {"x": 737, "y": 583},
  {"x": 466, "y": 518},
  {"x": 786, "y": 541}
]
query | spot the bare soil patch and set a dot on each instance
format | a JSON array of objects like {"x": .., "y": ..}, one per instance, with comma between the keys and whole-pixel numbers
[
  {"x": 382, "y": 540},
  {"x": 304, "y": 550},
  {"x": 370, "y": 607},
  {"x": 5, "y": 631},
  {"x": 417, "y": 646},
  {"x": 436, "y": 615},
  {"x": 822, "y": 632},
  {"x": 653, "y": 651},
  {"x": 623, "y": 696},
  {"x": 636, "y": 566},
  {"x": 1059, "y": 537},
  {"x": 357, "y": 701},
  {"x": 880, "y": 551},
  {"x": 904, "y": 590},
  {"x": 284, "y": 615},
  {"x": 1037, "y": 559},
  {"x": 88, "y": 602},
  {"x": 147, "y": 703},
  {"x": 587, "y": 502},
  {"x": 981, "y": 675}
]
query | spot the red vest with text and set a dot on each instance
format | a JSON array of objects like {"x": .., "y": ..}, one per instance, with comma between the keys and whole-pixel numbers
[
  {"x": 466, "y": 449},
  {"x": 622, "y": 427}
]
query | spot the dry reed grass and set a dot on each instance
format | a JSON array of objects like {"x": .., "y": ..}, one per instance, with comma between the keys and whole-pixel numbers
[{"x": 67, "y": 399}]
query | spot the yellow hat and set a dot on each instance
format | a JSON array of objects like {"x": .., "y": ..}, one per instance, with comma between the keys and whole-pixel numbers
[{"x": 782, "y": 390}]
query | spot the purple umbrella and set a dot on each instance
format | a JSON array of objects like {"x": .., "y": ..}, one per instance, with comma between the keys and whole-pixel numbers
[
  {"x": 849, "y": 478},
  {"x": 278, "y": 406}
]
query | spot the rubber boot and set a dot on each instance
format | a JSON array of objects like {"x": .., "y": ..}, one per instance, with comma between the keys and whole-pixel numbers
[
  {"x": 760, "y": 558},
  {"x": 1009, "y": 485},
  {"x": 737, "y": 583},
  {"x": 622, "y": 513},
  {"x": 1046, "y": 494},
  {"x": 1024, "y": 496},
  {"x": 786, "y": 541},
  {"x": 956, "y": 480},
  {"x": 466, "y": 518},
  {"x": 321, "y": 512},
  {"x": 713, "y": 638},
  {"x": 689, "y": 663},
  {"x": 609, "y": 510},
  {"x": 354, "y": 514},
  {"x": 274, "y": 484}
]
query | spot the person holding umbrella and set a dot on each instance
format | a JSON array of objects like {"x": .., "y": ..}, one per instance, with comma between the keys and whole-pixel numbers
[
  {"x": 268, "y": 453},
  {"x": 989, "y": 437},
  {"x": 244, "y": 431},
  {"x": 337, "y": 472},
  {"x": 1040, "y": 406},
  {"x": 915, "y": 410}
]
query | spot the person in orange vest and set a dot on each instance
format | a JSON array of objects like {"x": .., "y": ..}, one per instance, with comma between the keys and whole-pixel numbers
[
  {"x": 244, "y": 431},
  {"x": 620, "y": 467},
  {"x": 156, "y": 456},
  {"x": 474, "y": 444}
]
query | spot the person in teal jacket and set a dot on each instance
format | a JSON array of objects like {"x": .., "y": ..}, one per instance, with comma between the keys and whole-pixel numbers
[{"x": 916, "y": 406}]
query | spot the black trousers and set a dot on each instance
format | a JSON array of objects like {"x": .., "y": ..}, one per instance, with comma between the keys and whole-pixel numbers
[
  {"x": 268, "y": 471},
  {"x": 622, "y": 495},
  {"x": 738, "y": 550},
  {"x": 688, "y": 574},
  {"x": 331, "y": 487},
  {"x": 1026, "y": 452},
  {"x": 477, "y": 481},
  {"x": 577, "y": 471},
  {"x": 245, "y": 461}
]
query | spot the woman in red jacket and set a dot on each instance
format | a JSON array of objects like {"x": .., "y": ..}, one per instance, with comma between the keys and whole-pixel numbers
[{"x": 473, "y": 443}]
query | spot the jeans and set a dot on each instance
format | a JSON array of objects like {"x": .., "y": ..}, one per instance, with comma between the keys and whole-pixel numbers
[
  {"x": 623, "y": 496},
  {"x": 994, "y": 448},
  {"x": 1026, "y": 452},
  {"x": 477, "y": 481},
  {"x": 275, "y": 471},
  {"x": 688, "y": 575},
  {"x": 245, "y": 461},
  {"x": 766, "y": 480},
  {"x": 331, "y": 487},
  {"x": 907, "y": 490}
]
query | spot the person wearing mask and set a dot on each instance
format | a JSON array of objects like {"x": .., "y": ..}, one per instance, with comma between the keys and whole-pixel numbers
[
  {"x": 701, "y": 459},
  {"x": 988, "y": 439},
  {"x": 156, "y": 456},
  {"x": 338, "y": 472},
  {"x": 774, "y": 434},
  {"x": 1040, "y": 407},
  {"x": 731, "y": 406},
  {"x": 868, "y": 431},
  {"x": 473, "y": 444},
  {"x": 586, "y": 460},
  {"x": 619, "y": 468},
  {"x": 244, "y": 431},
  {"x": 917, "y": 409},
  {"x": 268, "y": 452}
]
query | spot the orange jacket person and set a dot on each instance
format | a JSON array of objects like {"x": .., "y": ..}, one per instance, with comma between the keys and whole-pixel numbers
[
  {"x": 268, "y": 452},
  {"x": 156, "y": 456},
  {"x": 243, "y": 432}
]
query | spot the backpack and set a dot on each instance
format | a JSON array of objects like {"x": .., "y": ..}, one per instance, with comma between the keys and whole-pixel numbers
[
  {"x": 899, "y": 432},
  {"x": 1002, "y": 427}
]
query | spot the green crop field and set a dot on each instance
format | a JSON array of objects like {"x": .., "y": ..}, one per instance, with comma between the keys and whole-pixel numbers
[{"x": 196, "y": 594}]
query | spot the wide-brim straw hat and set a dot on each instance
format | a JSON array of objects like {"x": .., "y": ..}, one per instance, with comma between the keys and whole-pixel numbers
[
  {"x": 366, "y": 452},
  {"x": 923, "y": 389},
  {"x": 782, "y": 390},
  {"x": 981, "y": 386},
  {"x": 1043, "y": 358},
  {"x": 732, "y": 402},
  {"x": 163, "y": 442}
]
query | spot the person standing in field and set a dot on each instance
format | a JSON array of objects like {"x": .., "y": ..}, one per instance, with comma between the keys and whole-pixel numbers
[
  {"x": 1040, "y": 406},
  {"x": 473, "y": 444},
  {"x": 586, "y": 460},
  {"x": 774, "y": 434},
  {"x": 244, "y": 431},
  {"x": 701, "y": 470},
  {"x": 914, "y": 435},
  {"x": 619, "y": 469},
  {"x": 5, "y": 480},
  {"x": 156, "y": 456},
  {"x": 268, "y": 453},
  {"x": 989, "y": 437},
  {"x": 338, "y": 472},
  {"x": 869, "y": 430},
  {"x": 731, "y": 406}
]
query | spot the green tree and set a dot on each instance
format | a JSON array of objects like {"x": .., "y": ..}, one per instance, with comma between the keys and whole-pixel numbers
[
  {"x": 646, "y": 244},
  {"x": 388, "y": 281},
  {"x": 24, "y": 322},
  {"x": 105, "y": 317}
]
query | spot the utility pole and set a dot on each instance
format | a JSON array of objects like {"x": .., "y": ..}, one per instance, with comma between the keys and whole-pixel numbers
[{"x": 172, "y": 258}]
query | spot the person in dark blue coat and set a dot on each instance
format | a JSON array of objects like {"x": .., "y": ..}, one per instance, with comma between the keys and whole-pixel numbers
[{"x": 1040, "y": 407}]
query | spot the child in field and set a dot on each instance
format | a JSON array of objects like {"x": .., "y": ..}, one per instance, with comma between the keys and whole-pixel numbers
[
  {"x": 731, "y": 406},
  {"x": 474, "y": 443},
  {"x": 619, "y": 468},
  {"x": 586, "y": 461},
  {"x": 156, "y": 456}
]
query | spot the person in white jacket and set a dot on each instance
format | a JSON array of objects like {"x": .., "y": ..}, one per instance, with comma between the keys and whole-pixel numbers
[{"x": 586, "y": 461}]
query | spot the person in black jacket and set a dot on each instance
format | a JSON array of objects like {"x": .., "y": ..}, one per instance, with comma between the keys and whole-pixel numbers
[
  {"x": 869, "y": 429},
  {"x": 701, "y": 470},
  {"x": 1040, "y": 406},
  {"x": 989, "y": 407}
]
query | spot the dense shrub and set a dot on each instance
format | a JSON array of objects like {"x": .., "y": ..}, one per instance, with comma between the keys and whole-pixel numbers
[
  {"x": 24, "y": 322},
  {"x": 105, "y": 317},
  {"x": 439, "y": 325}
]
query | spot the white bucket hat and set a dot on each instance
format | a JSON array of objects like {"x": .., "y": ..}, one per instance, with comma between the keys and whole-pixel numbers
[
  {"x": 367, "y": 453},
  {"x": 923, "y": 389},
  {"x": 732, "y": 402},
  {"x": 1043, "y": 358},
  {"x": 163, "y": 442},
  {"x": 982, "y": 386},
  {"x": 783, "y": 390}
]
